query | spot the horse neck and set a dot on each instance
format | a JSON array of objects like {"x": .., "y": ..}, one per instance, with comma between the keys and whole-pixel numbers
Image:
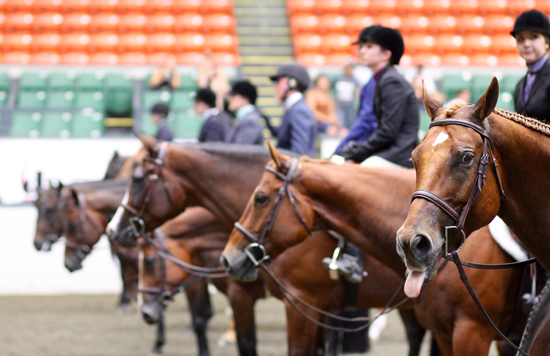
[
  {"x": 367, "y": 206},
  {"x": 219, "y": 183},
  {"x": 523, "y": 157}
]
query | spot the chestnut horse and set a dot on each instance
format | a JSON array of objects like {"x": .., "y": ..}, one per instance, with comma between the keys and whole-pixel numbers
[
  {"x": 367, "y": 206},
  {"x": 220, "y": 178},
  {"x": 462, "y": 141}
]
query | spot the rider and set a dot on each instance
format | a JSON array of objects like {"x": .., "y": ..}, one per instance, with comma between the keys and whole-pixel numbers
[
  {"x": 299, "y": 127},
  {"x": 216, "y": 123},
  {"x": 532, "y": 94},
  {"x": 248, "y": 128},
  {"x": 159, "y": 112}
]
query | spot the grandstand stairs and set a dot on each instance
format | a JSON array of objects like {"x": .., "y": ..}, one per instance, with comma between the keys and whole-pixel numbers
[{"x": 264, "y": 43}]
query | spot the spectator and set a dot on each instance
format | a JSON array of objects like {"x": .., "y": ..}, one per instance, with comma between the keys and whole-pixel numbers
[
  {"x": 216, "y": 124},
  {"x": 213, "y": 77},
  {"x": 248, "y": 128},
  {"x": 346, "y": 88},
  {"x": 159, "y": 113},
  {"x": 298, "y": 128},
  {"x": 165, "y": 77},
  {"x": 323, "y": 106}
]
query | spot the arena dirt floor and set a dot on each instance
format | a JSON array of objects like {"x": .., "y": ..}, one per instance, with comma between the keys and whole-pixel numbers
[{"x": 86, "y": 325}]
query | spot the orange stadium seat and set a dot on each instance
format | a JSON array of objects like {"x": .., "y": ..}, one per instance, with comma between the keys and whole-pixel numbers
[
  {"x": 389, "y": 20},
  {"x": 437, "y": 7},
  {"x": 105, "y": 41},
  {"x": 443, "y": 24},
  {"x": 217, "y": 6},
  {"x": 76, "y": 22},
  {"x": 108, "y": 6},
  {"x": 17, "y": 42},
  {"x": 356, "y": 23},
  {"x": 104, "y": 59},
  {"x": 48, "y": 6},
  {"x": 477, "y": 43},
  {"x": 330, "y": 6},
  {"x": 455, "y": 60},
  {"x": 419, "y": 44},
  {"x": 160, "y": 23},
  {"x": 480, "y": 60},
  {"x": 499, "y": 24},
  {"x": 161, "y": 42},
  {"x": 304, "y": 23},
  {"x": 160, "y": 58},
  {"x": 49, "y": 21},
  {"x": 511, "y": 60},
  {"x": 132, "y": 6},
  {"x": 307, "y": 43},
  {"x": 104, "y": 22},
  {"x": 16, "y": 58},
  {"x": 135, "y": 59},
  {"x": 465, "y": 7},
  {"x": 332, "y": 23},
  {"x": 190, "y": 58},
  {"x": 301, "y": 7},
  {"x": 383, "y": 7},
  {"x": 311, "y": 59},
  {"x": 337, "y": 43},
  {"x": 76, "y": 5},
  {"x": 190, "y": 22},
  {"x": 493, "y": 7},
  {"x": 132, "y": 42},
  {"x": 504, "y": 44},
  {"x": 518, "y": 6},
  {"x": 75, "y": 58},
  {"x": 221, "y": 42},
  {"x": 45, "y": 58},
  {"x": 45, "y": 42},
  {"x": 19, "y": 5},
  {"x": 340, "y": 59},
  {"x": 426, "y": 59},
  {"x": 165, "y": 6},
  {"x": 470, "y": 24},
  {"x": 219, "y": 23},
  {"x": 225, "y": 59},
  {"x": 414, "y": 23},
  {"x": 74, "y": 41},
  {"x": 449, "y": 43},
  {"x": 417, "y": 7},
  {"x": 2, "y": 20},
  {"x": 354, "y": 7},
  {"x": 132, "y": 22},
  {"x": 18, "y": 21},
  {"x": 188, "y": 6}
]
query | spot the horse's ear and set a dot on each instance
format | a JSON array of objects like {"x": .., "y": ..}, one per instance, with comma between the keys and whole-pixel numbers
[
  {"x": 39, "y": 179},
  {"x": 277, "y": 157},
  {"x": 488, "y": 101},
  {"x": 148, "y": 142},
  {"x": 115, "y": 155},
  {"x": 59, "y": 187},
  {"x": 74, "y": 195},
  {"x": 432, "y": 106}
]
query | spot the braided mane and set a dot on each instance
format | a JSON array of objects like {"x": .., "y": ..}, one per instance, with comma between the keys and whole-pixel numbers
[{"x": 528, "y": 122}]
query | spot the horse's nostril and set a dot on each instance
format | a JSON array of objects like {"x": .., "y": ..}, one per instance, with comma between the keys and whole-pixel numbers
[
  {"x": 224, "y": 262},
  {"x": 148, "y": 318},
  {"x": 421, "y": 246}
]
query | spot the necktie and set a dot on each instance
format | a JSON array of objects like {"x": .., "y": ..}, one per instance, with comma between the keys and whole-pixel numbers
[{"x": 528, "y": 84}]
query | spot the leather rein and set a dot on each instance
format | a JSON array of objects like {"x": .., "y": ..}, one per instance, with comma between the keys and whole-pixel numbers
[
  {"x": 460, "y": 219},
  {"x": 257, "y": 245}
]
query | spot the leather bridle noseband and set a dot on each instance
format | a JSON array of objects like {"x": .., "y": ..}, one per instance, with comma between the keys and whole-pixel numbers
[
  {"x": 257, "y": 242},
  {"x": 479, "y": 182}
]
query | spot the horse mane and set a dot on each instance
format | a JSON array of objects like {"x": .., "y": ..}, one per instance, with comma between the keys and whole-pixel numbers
[
  {"x": 231, "y": 150},
  {"x": 450, "y": 111},
  {"x": 525, "y": 121}
]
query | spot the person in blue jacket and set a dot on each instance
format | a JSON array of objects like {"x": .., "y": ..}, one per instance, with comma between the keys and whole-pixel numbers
[
  {"x": 298, "y": 128},
  {"x": 247, "y": 128}
]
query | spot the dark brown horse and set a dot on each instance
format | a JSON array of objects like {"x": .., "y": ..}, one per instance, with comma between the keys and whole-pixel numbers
[
  {"x": 220, "y": 178},
  {"x": 447, "y": 164},
  {"x": 115, "y": 166},
  {"x": 367, "y": 206}
]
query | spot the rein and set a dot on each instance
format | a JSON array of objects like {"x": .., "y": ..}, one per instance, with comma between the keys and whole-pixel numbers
[
  {"x": 460, "y": 219},
  {"x": 257, "y": 244}
]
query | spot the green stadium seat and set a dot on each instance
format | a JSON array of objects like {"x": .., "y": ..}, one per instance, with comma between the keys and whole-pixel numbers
[
  {"x": 119, "y": 102},
  {"x": 188, "y": 82},
  {"x": 182, "y": 100},
  {"x": 186, "y": 125},
  {"x": 119, "y": 81},
  {"x": 31, "y": 99},
  {"x": 61, "y": 100},
  {"x": 150, "y": 98},
  {"x": 479, "y": 86},
  {"x": 89, "y": 99},
  {"x": 506, "y": 100},
  {"x": 451, "y": 83},
  {"x": 4, "y": 81},
  {"x": 57, "y": 125},
  {"x": 33, "y": 81},
  {"x": 88, "y": 126},
  {"x": 425, "y": 121},
  {"x": 509, "y": 82},
  {"x": 62, "y": 81},
  {"x": 26, "y": 124},
  {"x": 90, "y": 81},
  {"x": 3, "y": 97}
]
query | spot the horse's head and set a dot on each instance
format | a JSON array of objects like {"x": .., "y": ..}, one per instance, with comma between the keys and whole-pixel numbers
[
  {"x": 82, "y": 228},
  {"x": 158, "y": 277},
  {"x": 447, "y": 163},
  {"x": 48, "y": 228},
  {"x": 271, "y": 222},
  {"x": 152, "y": 198}
]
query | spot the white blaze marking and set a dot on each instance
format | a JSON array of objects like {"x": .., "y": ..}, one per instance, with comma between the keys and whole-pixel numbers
[
  {"x": 441, "y": 138},
  {"x": 115, "y": 221}
]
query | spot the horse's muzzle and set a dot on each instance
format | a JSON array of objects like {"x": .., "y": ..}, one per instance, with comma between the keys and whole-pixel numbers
[{"x": 239, "y": 266}]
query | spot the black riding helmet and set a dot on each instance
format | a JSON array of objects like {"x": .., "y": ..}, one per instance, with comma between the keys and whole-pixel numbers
[
  {"x": 532, "y": 20},
  {"x": 245, "y": 89},
  {"x": 388, "y": 38}
]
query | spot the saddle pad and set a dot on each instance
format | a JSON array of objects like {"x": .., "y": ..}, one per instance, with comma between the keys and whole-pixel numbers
[{"x": 502, "y": 236}]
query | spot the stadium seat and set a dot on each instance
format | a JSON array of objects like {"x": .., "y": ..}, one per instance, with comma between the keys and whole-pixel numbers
[
  {"x": 4, "y": 93},
  {"x": 465, "y": 7},
  {"x": 56, "y": 125},
  {"x": 16, "y": 42},
  {"x": 50, "y": 21},
  {"x": 192, "y": 42},
  {"x": 152, "y": 97},
  {"x": 416, "y": 24},
  {"x": 160, "y": 23},
  {"x": 100, "y": 42},
  {"x": 4, "y": 81},
  {"x": 119, "y": 102},
  {"x": 33, "y": 81},
  {"x": 132, "y": 22},
  {"x": 504, "y": 44},
  {"x": 106, "y": 6},
  {"x": 182, "y": 100},
  {"x": 419, "y": 44},
  {"x": 225, "y": 59},
  {"x": 45, "y": 58},
  {"x": 218, "y": 6},
  {"x": 301, "y": 7},
  {"x": 62, "y": 80},
  {"x": 476, "y": 43},
  {"x": 221, "y": 42},
  {"x": 451, "y": 83},
  {"x": 74, "y": 41},
  {"x": 132, "y": 42},
  {"x": 499, "y": 24},
  {"x": 332, "y": 24},
  {"x": 60, "y": 99},
  {"x": 26, "y": 124},
  {"x": 133, "y": 58},
  {"x": 511, "y": 60},
  {"x": 48, "y": 6},
  {"x": 219, "y": 23},
  {"x": 493, "y": 7},
  {"x": 307, "y": 43},
  {"x": 20, "y": 21},
  {"x": 480, "y": 82},
  {"x": 138, "y": 6},
  {"x": 356, "y": 23},
  {"x": 186, "y": 126},
  {"x": 190, "y": 58},
  {"x": 389, "y": 20},
  {"x": 163, "y": 42},
  {"x": 104, "y": 22},
  {"x": 87, "y": 125},
  {"x": 75, "y": 58},
  {"x": 437, "y": 7},
  {"x": 355, "y": 7},
  {"x": 87, "y": 81},
  {"x": 470, "y": 24},
  {"x": 509, "y": 82},
  {"x": 443, "y": 24},
  {"x": 329, "y": 6},
  {"x": 31, "y": 99},
  {"x": 449, "y": 43},
  {"x": 119, "y": 81},
  {"x": 304, "y": 23},
  {"x": 76, "y": 6},
  {"x": 191, "y": 22},
  {"x": 340, "y": 59},
  {"x": 14, "y": 6},
  {"x": 76, "y": 22},
  {"x": 311, "y": 59},
  {"x": 188, "y": 82},
  {"x": 90, "y": 99},
  {"x": 383, "y": 7},
  {"x": 159, "y": 58},
  {"x": 337, "y": 43},
  {"x": 45, "y": 42},
  {"x": 188, "y": 6},
  {"x": 484, "y": 60},
  {"x": 16, "y": 58}
]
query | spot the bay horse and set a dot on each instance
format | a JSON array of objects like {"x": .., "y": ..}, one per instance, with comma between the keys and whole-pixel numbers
[
  {"x": 220, "y": 178},
  {"x": 367, "y": 206},
  {"x": 462, "y": 140}
]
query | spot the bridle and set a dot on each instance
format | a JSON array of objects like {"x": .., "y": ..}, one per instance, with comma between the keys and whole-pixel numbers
[
  {"x": 479, "y": 182},
  {"x": 257, "y": 242},
  {"x": 136, "y": 222}
]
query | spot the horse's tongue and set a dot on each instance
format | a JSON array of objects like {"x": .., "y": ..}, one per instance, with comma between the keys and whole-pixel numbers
[{"x": 413, "y": 284}]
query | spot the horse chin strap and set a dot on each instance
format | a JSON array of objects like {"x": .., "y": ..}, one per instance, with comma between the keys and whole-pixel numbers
[{"x": 257, "y": 241}]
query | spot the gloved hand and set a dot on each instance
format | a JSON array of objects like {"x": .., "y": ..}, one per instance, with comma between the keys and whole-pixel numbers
[{"x": 355, "y": 151}]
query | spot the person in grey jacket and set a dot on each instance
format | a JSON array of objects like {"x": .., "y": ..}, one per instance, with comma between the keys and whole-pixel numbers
[
  {"x": 159, "y": 112},
  {"x": 248, "y": 128},
  {"x": 216, "y": 123},
  {"x": 298, "y": 128},
  {"x": 394, "y": 102}
]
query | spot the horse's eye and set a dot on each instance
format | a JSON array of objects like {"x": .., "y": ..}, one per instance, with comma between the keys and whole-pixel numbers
[
  {"x": 260, "y": 199},
  {"x": 467, "y": 158}
]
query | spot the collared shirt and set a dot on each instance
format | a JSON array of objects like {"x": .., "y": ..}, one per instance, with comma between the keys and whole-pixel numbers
[
  {"x": 532, "y": 70},
  {"x": 210, "y": 112},
  {"x": 293, "y": 99},
  {"x": 378, "y": 74},
  {"x": 244, "y": 111}
]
